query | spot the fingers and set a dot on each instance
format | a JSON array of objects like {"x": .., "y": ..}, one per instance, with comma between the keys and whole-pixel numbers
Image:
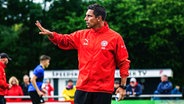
[
  {"x": 45, "y": 33},
  {"x": 43, "y": 30},
  {"x": 37, "y": 23},
  {"x": 121, "y": 97},
  {"x": 40, "y": 93},
  {"x": 39, "y": 26},
  {"x": 10, "y": 85},
  {"x": 42, "y": 33}
]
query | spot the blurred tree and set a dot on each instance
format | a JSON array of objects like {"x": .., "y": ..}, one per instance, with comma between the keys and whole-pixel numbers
[
  {"x": 64, "y": 16},
  {"x": 17, "y": 21},
  {"x": 152, "y": 30},
  {"x": 165, "y": 45}
]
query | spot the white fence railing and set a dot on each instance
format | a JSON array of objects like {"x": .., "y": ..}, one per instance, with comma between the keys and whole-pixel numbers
[
  {"x": 140, "y": 96},
  {"x": 29, "y": 97},
  {"x": 153, "y": 95}
]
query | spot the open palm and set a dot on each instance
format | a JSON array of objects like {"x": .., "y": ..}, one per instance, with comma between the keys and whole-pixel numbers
[{"x": 42, "y": 29}]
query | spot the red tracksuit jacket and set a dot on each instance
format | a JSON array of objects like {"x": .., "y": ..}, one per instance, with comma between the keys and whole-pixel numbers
[
  {"x": 3, "y": 84},
  {"x": 99, "y": 52},
  {"x": 15, "y": 90}
]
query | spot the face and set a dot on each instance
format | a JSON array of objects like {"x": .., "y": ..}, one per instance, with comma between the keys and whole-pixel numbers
[
  {"x": 132, "y": 84},
  {"x": 70, "y": 83},
  {"x": 46, "y": 63},
  {"x": 14, "y": 82},
  {"x": 26, "y": 79},
  {"x": 4, "y": 60},
  {"x": 116, "y": 85},
  {"x": 164, "y": 78},
  {"x": 47, "y": 81},
  {"x": 178, "y": 87},
  {"x": 91, "y": 20}
]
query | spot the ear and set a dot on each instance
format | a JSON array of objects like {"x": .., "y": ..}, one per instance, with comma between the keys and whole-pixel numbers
[{"x": 99, "y": 18}]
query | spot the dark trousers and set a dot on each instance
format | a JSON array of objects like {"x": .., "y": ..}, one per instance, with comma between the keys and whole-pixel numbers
[
  {"x": 82, "y": 97},
  {"x": 2, "y": 100},
  {"x": 35, "y": 98}
]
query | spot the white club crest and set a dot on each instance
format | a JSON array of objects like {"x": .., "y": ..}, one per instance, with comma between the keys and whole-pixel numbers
[{"x": 104, "y": 43}]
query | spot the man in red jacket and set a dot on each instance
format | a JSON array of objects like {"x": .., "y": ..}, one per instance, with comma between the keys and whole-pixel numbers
[
  {"x": 3, "y": 84},
  {"x": 100, "y": 50}
]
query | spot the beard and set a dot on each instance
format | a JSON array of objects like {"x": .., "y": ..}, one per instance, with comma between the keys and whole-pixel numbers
[
  {"x": 89, "y": 26},
  {"x": 6, "y": 62}
]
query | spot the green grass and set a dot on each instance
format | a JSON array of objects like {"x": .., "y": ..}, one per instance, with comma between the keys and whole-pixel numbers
[{"x": 148, "y": 102}]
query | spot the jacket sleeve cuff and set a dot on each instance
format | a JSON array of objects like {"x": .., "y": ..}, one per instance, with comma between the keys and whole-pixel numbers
[{"x": 54, "y": 38}]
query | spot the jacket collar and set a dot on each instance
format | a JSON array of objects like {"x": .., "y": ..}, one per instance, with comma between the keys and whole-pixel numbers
[
  {"x": 102, "y": 29},
  {"x": 3, "y": 65}
]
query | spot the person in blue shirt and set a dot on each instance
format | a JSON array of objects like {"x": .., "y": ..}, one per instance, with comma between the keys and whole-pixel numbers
[
  {"x": 176, "y": 90},
  {"x": 164, "y": 87},
  {"x": 35, "y": 87},
  {"x": 134, "y": 88}
]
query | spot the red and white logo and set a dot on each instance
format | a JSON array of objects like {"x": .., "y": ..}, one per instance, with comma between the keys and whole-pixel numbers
[{"x": 104, "y": 43}]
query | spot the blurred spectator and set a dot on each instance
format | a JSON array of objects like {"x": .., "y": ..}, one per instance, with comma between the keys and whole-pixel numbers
[
  {"x": 15, "y": 89},
  {"x": 134, "y": 88},
  {"x": 69, "y": 91},
  {"x": 164, "y": 87},
  {"x": 176, "y": 90},
  {"x": 48, "y": 89},
  {"x": 25, "y": 85},
  {"x": 116, "y": 86}
]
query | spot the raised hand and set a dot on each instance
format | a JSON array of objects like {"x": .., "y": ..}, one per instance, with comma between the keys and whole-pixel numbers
[
  {"x": 10, "y": 86},
  {"x": 42, "y": 29}
]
